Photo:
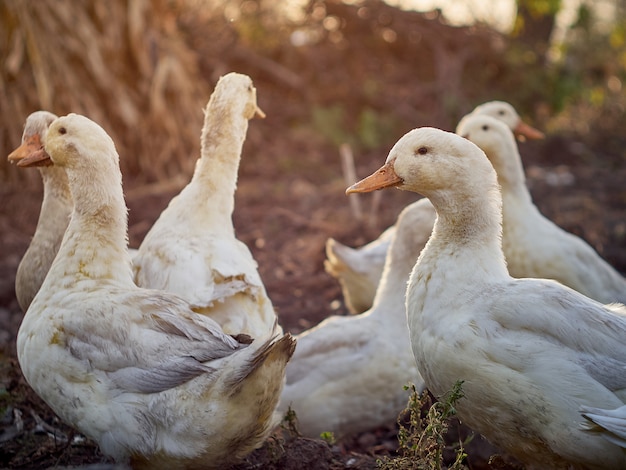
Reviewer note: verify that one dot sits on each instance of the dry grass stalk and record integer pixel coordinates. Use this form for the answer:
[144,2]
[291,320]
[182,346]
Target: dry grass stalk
[349,175]
[122,63]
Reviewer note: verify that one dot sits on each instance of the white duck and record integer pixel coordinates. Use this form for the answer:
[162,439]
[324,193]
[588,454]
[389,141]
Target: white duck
[533,245]
[347,374]
[530,352]
[136,370]
[191,250]
[358,270]
[506,113]
[54,215]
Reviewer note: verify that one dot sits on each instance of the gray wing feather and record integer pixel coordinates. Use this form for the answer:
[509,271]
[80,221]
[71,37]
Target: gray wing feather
[164,376]
[612,423]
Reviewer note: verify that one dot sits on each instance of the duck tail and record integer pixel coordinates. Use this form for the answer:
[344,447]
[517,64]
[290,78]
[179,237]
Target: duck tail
[611,424]
[338,257]
[273,353]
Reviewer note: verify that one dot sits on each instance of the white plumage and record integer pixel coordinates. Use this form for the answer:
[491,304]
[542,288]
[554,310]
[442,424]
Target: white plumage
[610,424]
[358,270]
[347,374]
[192,250]
[533,245]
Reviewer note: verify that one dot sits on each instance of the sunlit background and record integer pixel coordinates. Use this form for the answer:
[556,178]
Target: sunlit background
[548,57]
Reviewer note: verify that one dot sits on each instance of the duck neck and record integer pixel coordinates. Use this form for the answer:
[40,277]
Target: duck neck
[463,253]
[95,244]
[516,203]
[516,198]
[222,140]
[470,233]
[56,206]
[404,250]
[511,177]
[390,294]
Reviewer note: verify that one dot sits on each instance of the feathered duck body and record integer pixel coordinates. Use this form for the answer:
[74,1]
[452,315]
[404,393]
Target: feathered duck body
[192,250]
[151,381]
[530,352]
[347,374]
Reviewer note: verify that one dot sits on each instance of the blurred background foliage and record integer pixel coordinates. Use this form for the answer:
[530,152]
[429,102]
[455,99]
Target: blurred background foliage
[327,72]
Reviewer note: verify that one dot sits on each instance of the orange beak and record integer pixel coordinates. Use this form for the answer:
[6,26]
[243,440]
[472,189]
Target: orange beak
[258,112]
[31,145]
[37,158]
[384,177]
[523,129]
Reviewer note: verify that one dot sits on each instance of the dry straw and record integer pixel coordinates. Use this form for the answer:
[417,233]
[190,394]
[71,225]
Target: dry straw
[122,63]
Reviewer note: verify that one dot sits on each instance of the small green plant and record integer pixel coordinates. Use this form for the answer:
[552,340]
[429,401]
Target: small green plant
[290,422]
[5,399]
[422,439]
[330,122]
[363,129]
[329,437]
[375,129]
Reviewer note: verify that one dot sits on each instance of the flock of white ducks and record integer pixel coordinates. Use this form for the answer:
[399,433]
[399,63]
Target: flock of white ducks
[359,270]
[533,245]
[532,354]
[153,382]
[187,369]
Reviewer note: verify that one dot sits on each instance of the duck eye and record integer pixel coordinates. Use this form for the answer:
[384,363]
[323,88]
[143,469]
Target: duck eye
[485,127]
[422,150]
[62,130]
[501,112]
